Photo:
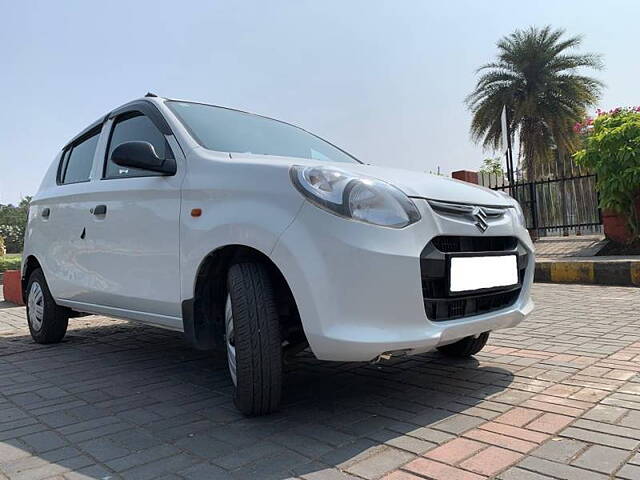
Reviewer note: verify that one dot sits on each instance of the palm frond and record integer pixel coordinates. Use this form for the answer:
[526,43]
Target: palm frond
[537,76]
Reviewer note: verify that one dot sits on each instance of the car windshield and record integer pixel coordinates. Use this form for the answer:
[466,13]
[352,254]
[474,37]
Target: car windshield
[227,130]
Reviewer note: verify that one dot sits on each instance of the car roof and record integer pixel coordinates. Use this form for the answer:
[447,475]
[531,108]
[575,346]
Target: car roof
[153,99]
[103,118]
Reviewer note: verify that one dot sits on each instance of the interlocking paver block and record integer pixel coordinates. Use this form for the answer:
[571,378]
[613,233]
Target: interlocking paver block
[631,420]
[552,407]
[335,474]
[155,469]
[549,423]
[454,451]
[103,450]
[601,459]
[518,416]
[560,394]
[515,432]
[205,470]
[429,435]
[44,441]
[520,474]
[605,413]
[499,440]
[559,470]
[440,471]
[606,428]
[629,472]
[141,457]
[491,461]
[561,450]
[11,452]
[410,444]
[397,475]
[600,438]
[459,424]
[379,463]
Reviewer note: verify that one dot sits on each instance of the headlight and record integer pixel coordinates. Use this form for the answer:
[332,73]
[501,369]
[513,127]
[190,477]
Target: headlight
[355,197]
[519,213]
[521,218]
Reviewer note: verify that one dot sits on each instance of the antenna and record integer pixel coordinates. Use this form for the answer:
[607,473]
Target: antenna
[151,94]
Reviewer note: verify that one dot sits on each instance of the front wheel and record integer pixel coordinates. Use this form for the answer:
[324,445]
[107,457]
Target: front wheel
[466,347]
[47,320]
[253,340]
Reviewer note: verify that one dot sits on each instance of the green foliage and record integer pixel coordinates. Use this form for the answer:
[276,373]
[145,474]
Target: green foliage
[13,221]
[10,262]
[537,77]
[612,152]
[13,237]
[492,166]
[3,250]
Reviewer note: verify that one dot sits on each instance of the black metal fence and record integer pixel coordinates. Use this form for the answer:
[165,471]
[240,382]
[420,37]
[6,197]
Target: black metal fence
[558,206]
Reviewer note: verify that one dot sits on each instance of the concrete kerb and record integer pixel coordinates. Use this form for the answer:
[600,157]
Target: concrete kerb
[620,271]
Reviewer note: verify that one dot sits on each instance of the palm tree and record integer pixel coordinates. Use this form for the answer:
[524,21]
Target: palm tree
[538,79]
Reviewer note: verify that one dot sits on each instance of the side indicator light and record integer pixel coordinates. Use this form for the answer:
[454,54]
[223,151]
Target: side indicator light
[196,212]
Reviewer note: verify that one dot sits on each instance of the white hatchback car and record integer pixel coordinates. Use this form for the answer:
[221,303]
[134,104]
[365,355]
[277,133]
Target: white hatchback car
[249,233]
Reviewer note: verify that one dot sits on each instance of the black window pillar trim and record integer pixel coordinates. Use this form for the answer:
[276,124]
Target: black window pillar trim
[146,108]
[87,132]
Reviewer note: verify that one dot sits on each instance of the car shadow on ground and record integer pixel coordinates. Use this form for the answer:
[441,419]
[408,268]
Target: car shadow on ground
[121,399]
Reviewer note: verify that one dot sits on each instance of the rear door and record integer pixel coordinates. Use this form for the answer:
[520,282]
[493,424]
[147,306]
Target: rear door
[132,226]
[62,215]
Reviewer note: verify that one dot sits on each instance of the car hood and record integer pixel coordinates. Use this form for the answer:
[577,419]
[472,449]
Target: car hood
[435,187]
[413,183]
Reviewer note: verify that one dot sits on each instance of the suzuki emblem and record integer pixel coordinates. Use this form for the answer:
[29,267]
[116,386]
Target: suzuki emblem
[480,216]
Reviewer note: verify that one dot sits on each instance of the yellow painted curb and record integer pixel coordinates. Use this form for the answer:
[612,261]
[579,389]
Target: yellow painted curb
[573,272]
[635,273]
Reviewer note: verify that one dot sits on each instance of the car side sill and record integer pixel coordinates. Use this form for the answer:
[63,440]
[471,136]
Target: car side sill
[162,321]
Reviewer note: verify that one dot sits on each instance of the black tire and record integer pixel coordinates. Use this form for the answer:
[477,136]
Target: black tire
[54,317]
[257,339]
[466,347]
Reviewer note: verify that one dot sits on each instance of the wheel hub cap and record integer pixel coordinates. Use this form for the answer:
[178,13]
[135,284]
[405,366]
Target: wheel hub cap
[35,303]
[230,339]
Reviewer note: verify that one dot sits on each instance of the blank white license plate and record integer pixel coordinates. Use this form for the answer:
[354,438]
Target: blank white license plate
[475,273]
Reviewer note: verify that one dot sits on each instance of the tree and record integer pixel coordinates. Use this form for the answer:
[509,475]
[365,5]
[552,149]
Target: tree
[612,151]
[13,221]
[492,166]
[538,78]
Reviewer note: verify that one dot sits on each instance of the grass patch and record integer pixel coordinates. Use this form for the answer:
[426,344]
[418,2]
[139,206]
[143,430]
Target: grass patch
[11,261]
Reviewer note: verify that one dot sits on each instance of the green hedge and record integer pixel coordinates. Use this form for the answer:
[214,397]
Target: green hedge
[612,152]
[10,262]
[13,220]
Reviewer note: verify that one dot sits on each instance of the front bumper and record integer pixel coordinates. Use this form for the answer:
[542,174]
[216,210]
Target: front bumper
[358,287]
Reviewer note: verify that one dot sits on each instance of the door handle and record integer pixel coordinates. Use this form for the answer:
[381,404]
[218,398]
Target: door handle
[45,213]
[99,210]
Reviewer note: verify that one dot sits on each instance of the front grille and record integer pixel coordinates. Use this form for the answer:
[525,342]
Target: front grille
[439,304]
[449,244]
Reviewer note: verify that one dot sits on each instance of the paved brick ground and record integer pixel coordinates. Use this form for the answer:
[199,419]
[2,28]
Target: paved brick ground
[558,397]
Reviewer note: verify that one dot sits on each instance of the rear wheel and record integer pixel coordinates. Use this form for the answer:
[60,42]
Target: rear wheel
[47,320]
[253,339]
[466,347]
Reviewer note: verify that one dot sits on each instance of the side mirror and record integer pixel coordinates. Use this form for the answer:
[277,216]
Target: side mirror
[142,155]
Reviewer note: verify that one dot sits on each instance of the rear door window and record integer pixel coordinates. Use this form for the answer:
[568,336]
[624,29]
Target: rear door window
[78,160]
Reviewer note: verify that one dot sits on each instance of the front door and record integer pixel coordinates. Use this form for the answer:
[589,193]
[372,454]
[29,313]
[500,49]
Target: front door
[131,242]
